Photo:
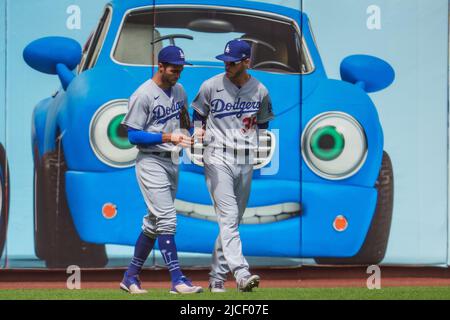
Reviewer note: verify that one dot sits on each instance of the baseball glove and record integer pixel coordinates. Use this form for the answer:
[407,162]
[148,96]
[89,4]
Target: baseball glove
[185,121]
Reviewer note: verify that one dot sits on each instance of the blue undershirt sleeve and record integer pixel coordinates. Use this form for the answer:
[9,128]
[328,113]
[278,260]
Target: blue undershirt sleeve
[141,137]
[264,125]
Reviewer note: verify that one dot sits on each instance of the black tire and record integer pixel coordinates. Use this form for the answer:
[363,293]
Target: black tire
[41,234]
[57,241]
[4,177]
[375,244]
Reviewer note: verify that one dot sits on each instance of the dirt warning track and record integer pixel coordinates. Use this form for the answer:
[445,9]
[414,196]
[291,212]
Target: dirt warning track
[303,277]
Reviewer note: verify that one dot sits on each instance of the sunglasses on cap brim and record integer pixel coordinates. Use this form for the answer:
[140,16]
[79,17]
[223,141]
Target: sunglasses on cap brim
[233,63]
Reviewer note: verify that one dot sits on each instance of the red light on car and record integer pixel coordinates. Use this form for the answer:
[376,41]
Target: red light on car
[340,223]
[109,211]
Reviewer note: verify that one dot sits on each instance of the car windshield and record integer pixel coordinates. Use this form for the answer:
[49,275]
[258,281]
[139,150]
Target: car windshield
[276,43]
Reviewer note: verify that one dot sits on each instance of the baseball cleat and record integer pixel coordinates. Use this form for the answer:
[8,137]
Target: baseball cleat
[185,286]
[131,284]
[217,286]
[246,284]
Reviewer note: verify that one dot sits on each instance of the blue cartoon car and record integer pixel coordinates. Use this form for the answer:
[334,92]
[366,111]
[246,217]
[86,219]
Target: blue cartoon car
[322,188]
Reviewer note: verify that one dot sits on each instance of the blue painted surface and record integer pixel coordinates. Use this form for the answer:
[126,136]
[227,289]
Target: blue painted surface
[46,53]
[290,238]
[372,73]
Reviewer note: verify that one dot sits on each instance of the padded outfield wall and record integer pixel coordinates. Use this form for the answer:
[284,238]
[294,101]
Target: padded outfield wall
[412,36]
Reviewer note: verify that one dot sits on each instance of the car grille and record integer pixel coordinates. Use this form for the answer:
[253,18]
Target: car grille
[264,154]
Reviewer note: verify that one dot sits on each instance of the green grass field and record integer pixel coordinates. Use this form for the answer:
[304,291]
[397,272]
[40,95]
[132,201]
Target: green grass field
[401,293]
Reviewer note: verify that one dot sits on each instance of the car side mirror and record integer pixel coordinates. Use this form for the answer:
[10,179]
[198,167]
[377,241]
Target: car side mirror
[372,74]
[54,55]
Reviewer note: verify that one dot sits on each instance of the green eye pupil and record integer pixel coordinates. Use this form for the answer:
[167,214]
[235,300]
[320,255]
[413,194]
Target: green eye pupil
[117,133]
[327,143]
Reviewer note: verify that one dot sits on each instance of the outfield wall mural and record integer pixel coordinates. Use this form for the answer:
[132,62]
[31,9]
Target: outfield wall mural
[352,170]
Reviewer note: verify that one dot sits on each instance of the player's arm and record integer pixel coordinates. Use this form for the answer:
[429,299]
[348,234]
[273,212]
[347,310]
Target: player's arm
[197,117]
[199,128]
[140,137]
[201,106]
[265,113]
[202,100]
[135,119]
[138,112]
[185,121]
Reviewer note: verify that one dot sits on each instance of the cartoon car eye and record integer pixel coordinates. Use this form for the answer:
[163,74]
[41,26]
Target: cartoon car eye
[109,139]
[334,145]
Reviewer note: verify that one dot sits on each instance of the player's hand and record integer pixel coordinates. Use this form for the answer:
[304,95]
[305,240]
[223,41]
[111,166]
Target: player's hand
[199,133]
[181,140]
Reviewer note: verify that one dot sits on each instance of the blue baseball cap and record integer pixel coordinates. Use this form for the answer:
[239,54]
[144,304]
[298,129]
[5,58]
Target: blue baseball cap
[173,55]
[236,50]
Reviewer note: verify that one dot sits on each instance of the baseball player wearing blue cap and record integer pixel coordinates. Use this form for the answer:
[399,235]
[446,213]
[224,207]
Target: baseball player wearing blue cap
[153,122]
[232,107]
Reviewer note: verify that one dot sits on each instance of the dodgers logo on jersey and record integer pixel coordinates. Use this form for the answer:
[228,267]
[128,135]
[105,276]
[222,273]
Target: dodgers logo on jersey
[220,109]
[162,114]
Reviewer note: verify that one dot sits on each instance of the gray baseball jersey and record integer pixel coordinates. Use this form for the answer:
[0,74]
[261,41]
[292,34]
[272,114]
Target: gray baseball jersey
[233,113]
[151,110]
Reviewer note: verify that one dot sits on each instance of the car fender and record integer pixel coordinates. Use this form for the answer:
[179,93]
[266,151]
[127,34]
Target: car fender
[339,96]
[85,95]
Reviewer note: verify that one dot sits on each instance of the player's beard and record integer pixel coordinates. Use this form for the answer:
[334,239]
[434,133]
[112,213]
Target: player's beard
[169,80]
[234,75]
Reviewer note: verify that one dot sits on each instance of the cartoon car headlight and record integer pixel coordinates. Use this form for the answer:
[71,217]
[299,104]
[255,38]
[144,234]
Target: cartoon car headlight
[109,139]
[334,145]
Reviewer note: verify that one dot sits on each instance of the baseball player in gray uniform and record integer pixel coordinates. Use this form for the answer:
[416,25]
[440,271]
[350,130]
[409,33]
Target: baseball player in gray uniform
[232,107]
[153,122]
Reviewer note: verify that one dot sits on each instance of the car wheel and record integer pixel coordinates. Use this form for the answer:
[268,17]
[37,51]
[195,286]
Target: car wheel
[57,241]
[41,234]
[4,198]
[375,244]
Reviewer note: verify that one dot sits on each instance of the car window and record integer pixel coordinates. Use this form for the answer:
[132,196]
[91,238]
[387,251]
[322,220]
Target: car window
[276,43]
[95,42]
[84,53]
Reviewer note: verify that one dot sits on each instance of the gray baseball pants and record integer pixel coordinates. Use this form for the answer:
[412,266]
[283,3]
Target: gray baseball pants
[158,180]
[229,186]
